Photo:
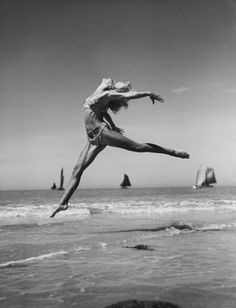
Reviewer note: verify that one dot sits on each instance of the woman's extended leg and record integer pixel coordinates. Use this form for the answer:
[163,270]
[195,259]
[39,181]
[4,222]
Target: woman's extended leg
[115,139]
[86,158]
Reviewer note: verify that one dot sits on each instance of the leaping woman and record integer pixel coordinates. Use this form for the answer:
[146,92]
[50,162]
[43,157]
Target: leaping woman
[102,132]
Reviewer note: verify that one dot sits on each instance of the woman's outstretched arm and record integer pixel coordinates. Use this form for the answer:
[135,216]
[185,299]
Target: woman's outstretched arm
[134,95]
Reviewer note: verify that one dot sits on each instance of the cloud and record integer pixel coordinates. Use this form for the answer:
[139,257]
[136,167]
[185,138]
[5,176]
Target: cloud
[230,90]
[181,90]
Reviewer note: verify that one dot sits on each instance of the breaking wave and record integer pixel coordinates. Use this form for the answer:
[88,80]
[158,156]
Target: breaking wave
[26,261]
[22,262]
[162,207]
[179,227]
[40,214]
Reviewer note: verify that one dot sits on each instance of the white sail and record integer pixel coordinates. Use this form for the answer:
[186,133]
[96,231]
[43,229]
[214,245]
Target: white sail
[61,180]
[201,177]
[205,177]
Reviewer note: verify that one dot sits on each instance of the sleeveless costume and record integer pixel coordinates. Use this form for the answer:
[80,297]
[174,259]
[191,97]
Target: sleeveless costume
[94,124]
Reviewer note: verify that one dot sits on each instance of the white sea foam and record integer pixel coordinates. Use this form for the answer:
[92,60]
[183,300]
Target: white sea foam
[32,259]
[80,248]
[21,213]
[162,207]
[20,210]
[40,214]
[217,226]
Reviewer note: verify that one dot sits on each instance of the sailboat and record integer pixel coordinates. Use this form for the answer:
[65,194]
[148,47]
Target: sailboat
[126,182]
[61,181]
[205,177]
[54,186]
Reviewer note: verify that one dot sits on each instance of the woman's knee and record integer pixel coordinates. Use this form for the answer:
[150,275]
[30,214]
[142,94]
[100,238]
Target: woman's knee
[77,171]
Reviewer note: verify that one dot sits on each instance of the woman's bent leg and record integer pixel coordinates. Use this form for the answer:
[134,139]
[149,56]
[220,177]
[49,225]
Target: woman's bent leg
[115,139]
[87,156]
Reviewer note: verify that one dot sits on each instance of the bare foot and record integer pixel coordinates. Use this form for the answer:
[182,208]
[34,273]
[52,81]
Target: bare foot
[62,207]
[180,154]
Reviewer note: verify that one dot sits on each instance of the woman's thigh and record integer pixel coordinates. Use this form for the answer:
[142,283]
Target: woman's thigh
[115,139]
[88,154]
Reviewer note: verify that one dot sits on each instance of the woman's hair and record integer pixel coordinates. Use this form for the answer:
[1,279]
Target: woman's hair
[121,86]
[106,84]
[118,86]
[115,105]
[110,84]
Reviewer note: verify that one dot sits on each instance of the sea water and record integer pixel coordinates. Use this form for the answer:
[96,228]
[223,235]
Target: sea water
[80,257]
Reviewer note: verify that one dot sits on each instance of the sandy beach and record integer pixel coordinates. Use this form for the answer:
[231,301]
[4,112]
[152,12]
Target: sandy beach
[78,259]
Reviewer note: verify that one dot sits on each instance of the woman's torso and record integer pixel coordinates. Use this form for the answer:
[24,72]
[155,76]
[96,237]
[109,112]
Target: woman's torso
[95,107]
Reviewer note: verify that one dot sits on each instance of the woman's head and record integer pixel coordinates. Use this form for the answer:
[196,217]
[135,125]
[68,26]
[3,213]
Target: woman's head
[106,84]
[121,86]
[110,84]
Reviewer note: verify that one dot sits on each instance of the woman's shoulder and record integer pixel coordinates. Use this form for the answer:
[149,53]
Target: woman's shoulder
[97,101]
[100,98]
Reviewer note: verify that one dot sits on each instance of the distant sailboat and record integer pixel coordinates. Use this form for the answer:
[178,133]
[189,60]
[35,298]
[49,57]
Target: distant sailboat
[61,180]
[205,177]
[126,182]
[54,186]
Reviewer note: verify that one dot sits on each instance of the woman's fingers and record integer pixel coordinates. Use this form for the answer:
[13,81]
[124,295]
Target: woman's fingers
[158,98]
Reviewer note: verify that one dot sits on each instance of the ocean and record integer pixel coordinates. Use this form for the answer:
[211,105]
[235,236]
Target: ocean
[83,256]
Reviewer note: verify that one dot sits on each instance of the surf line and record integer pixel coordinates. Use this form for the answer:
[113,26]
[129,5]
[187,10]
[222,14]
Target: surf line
[41,257]
[175,225]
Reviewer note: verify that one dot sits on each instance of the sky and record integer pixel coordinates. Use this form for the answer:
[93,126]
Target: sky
[54,53]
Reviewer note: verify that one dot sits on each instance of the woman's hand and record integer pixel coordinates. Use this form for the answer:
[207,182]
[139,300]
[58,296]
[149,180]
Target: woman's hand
[118,130]
[155,97]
